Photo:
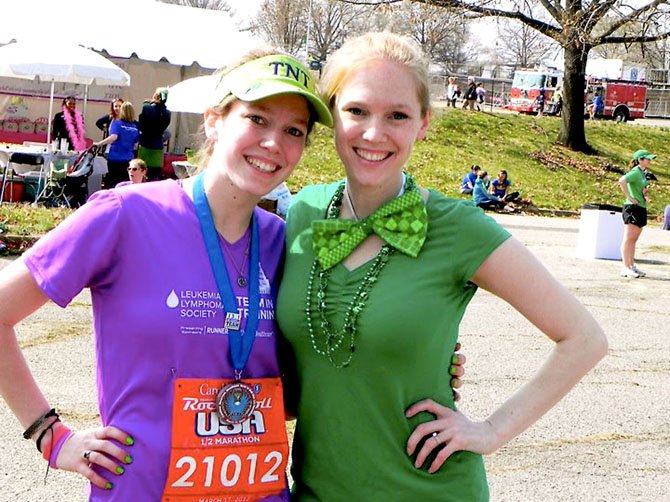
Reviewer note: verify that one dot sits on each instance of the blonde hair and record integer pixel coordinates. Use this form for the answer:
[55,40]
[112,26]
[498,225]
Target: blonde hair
[127,112]
[204,152]
[374,46]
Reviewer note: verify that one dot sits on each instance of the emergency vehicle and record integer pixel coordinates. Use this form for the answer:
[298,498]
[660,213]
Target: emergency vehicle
[624,99]
[526,87]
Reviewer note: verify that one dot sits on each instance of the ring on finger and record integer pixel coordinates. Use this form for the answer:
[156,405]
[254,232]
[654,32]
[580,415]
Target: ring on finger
[87,455]
[437,442]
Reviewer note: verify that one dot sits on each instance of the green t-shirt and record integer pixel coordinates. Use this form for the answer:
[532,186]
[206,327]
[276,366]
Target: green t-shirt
[351,435]
[637,183]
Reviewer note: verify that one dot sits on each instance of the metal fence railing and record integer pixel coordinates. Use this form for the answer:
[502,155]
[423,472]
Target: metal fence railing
[498,89]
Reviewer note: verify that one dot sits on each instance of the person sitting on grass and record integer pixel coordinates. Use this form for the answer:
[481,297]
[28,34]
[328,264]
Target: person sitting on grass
[481,195]
[500,187]
[468,183]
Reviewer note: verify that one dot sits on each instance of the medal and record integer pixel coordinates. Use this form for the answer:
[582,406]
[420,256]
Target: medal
[235,402]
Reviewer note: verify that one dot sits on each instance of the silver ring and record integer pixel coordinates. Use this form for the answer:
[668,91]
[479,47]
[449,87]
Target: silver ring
[87,454]
[435,438]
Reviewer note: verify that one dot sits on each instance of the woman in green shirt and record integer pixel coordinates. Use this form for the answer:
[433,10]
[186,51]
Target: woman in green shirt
[378,274]
[634,186]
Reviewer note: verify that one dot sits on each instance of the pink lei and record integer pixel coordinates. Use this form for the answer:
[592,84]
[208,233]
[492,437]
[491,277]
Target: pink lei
[75,129]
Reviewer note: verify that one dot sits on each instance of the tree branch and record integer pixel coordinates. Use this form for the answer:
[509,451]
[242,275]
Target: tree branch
[544,28]
[629,40]
[632,16]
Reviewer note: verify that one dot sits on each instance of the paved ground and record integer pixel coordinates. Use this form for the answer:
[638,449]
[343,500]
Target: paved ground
[608,441]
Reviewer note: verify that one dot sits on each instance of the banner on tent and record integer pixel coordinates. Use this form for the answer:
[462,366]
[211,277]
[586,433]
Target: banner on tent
[24,104]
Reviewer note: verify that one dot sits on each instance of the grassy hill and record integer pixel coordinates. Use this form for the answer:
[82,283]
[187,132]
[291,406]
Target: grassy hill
[552,176]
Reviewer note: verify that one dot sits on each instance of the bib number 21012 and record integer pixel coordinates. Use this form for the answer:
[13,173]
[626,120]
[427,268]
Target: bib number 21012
[229,470]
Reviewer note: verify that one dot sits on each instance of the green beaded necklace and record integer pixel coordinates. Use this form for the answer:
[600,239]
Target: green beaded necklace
[331,341]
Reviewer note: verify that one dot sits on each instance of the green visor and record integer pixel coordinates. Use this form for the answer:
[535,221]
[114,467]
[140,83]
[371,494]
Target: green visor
[271,76]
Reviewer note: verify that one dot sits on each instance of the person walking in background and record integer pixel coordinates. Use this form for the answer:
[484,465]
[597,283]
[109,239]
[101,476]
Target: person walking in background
[154,120]
[596,107]
[123,136]
[178,273]
[557,101]
[634,186]
[470,95]
[540,102]
[481,96]
[453,92]
[666,218]
[378,274]
[68,124]
[103,122]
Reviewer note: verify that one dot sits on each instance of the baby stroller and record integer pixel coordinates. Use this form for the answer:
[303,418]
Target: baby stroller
[69,186]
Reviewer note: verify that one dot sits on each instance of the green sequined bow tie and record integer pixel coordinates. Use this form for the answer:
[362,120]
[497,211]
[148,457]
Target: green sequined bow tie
[401,222]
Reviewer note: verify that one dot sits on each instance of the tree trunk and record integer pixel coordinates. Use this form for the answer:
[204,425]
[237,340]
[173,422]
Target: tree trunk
[571,133]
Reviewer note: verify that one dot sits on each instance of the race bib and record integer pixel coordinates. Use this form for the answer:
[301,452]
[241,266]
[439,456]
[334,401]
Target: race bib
[213,460]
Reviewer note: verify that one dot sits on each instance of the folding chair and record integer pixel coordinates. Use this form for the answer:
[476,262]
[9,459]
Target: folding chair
[53,194]
[18,163]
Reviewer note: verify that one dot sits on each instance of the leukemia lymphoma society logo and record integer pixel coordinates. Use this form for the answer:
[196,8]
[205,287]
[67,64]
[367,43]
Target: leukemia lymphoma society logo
[196,303]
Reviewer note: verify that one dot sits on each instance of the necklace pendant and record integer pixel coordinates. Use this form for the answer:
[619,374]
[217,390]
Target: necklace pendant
[235,402]
[241,282]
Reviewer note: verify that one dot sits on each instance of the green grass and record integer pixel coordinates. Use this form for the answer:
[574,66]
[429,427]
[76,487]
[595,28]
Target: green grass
[552,176]
[23,219]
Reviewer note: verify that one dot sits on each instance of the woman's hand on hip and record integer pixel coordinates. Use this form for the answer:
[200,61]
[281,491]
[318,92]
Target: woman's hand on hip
[451,431]
[86,449]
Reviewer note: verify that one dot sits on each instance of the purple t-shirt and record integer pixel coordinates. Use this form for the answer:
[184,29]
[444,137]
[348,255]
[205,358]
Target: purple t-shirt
[156,311]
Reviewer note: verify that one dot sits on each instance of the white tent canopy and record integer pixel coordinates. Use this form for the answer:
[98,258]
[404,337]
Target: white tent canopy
[63,63]
[193,95]
[153,31]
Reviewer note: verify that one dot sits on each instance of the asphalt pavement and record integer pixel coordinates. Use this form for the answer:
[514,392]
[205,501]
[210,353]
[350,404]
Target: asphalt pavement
[608,440]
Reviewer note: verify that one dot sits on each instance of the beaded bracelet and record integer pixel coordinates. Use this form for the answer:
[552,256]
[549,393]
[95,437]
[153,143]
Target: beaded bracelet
[27,434]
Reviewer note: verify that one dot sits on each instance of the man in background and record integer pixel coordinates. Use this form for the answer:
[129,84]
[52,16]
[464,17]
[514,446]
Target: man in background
[154,120]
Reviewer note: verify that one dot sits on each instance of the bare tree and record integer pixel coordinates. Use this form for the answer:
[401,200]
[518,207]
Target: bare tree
[520,44]
[202,4]
[443,35]
[283,23]
[332,21]
[577,26]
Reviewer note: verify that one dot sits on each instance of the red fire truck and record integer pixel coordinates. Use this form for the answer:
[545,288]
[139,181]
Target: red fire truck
[624,99]
[526,86]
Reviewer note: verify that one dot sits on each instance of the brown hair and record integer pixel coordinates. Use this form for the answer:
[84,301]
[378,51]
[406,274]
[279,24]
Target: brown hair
[112,113]
[206,148]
